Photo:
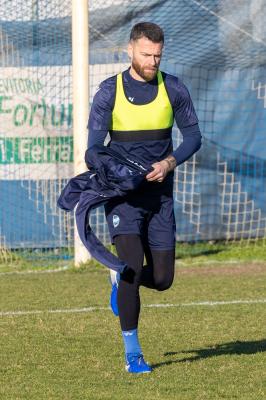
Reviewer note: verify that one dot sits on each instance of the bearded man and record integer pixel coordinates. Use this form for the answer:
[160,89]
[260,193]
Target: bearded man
[138,108]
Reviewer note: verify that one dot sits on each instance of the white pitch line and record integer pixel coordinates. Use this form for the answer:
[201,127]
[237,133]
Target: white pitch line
[207,303]
[56,311]
[97,308]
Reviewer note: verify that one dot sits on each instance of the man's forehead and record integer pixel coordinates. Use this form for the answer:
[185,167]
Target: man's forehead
[144,44]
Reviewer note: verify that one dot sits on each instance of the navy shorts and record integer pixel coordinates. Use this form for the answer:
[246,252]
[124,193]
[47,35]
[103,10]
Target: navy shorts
[151,217]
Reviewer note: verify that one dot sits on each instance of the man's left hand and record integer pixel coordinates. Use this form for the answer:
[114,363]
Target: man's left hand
[161,169]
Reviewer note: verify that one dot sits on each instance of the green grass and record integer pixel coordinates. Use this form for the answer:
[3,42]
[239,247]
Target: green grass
[198,352]
[187,254]
[211,252]
[13,261]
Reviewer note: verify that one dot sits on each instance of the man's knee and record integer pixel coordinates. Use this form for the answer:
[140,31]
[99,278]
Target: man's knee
[163,268]
[163,282]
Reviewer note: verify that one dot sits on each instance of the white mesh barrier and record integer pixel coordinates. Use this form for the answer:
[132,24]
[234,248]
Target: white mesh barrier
[217,48]
[36,151]
[240,217]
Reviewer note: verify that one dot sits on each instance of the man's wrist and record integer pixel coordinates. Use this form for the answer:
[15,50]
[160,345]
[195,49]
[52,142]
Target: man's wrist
[171,162]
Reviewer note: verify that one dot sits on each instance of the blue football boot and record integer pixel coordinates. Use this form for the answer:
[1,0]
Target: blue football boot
[114,279]
[136,364]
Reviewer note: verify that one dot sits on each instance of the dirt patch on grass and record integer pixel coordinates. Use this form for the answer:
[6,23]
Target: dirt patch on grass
[223,269]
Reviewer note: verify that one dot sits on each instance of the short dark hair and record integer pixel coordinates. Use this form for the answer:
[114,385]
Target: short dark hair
[149,30]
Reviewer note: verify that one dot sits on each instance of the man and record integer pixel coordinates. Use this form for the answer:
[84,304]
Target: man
[138,108]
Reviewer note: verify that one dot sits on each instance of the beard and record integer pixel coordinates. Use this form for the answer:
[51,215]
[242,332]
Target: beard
[146,74]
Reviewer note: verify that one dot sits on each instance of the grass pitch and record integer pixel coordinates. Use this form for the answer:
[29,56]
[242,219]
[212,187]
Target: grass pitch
[198,351]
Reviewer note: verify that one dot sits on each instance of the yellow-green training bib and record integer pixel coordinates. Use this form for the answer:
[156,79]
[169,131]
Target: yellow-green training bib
[154,116]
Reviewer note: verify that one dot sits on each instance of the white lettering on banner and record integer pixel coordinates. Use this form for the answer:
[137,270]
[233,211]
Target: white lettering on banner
[24,150]
[16,86]
[36,153]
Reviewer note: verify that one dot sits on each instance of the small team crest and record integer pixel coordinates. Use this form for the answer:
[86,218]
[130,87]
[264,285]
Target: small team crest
[116,220]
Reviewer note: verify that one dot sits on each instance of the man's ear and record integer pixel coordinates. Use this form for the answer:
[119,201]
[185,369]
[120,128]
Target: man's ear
[130,50]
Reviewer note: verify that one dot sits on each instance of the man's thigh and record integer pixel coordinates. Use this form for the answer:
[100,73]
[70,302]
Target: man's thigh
[151,217]
[161,228]
[124,216]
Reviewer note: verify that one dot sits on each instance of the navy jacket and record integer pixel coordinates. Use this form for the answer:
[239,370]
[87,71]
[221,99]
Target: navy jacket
[110,175]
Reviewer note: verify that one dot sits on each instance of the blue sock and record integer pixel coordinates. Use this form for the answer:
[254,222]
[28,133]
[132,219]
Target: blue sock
[131,342]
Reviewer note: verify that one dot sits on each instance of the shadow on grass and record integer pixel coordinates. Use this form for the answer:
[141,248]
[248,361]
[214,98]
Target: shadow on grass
[231,348]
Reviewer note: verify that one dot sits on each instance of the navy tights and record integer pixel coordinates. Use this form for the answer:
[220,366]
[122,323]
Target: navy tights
[157,274]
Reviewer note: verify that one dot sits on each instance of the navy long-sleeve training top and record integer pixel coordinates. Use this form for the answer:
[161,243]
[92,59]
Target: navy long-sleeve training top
[140,93]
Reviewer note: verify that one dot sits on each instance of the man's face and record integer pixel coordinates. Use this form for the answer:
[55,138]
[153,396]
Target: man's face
[145,57]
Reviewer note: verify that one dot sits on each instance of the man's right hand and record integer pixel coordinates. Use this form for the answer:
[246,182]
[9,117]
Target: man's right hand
[161,169]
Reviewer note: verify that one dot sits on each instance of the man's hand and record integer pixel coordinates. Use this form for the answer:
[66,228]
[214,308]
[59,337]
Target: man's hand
[161,169]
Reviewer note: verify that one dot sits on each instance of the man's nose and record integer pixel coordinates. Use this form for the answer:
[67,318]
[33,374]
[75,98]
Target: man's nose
[153,61]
